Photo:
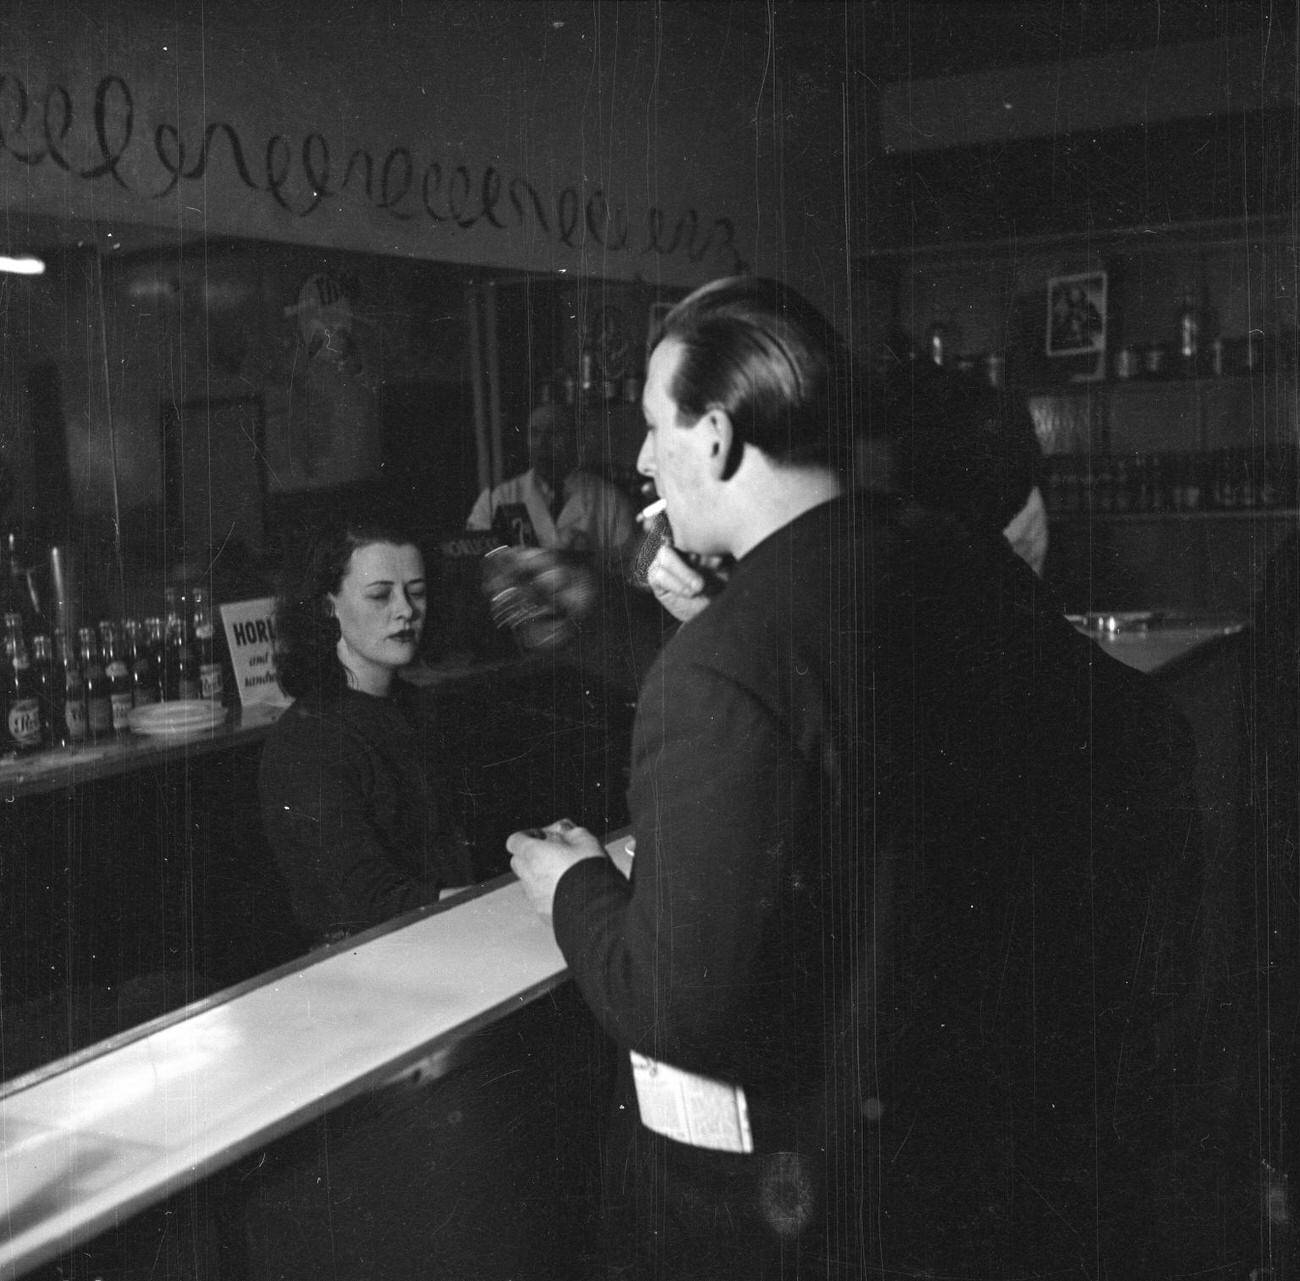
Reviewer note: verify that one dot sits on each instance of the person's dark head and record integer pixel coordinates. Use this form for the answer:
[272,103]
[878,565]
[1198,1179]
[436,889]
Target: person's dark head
[552,442]
[958,445]
[757,350]
[351,607]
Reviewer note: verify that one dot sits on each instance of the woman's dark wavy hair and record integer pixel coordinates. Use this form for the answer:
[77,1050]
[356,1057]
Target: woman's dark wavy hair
[306,631]
[959,445]
[759,351]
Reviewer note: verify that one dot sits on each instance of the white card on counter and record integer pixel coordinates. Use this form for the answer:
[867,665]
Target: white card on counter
[250,633]
[691,1109]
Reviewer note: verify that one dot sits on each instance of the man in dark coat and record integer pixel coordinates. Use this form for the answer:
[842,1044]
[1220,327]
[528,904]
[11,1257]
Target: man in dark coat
[894,974]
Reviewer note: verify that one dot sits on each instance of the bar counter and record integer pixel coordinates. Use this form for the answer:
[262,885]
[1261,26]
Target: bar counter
[1147,640]
[47,771]
[90,1140]
[135,877]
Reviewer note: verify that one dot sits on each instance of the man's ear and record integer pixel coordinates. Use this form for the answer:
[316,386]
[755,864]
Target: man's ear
[721,443]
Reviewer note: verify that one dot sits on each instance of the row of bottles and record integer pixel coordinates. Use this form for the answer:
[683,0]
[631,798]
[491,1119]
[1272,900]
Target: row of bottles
[1217,480]
[1249,354]
[1192,347]
[66,690]
[587,385]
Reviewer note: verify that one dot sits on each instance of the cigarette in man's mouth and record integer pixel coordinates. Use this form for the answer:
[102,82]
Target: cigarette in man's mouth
[647,514]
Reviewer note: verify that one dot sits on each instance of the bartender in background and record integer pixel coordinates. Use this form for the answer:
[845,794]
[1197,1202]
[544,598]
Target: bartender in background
[566,530]
[556,504]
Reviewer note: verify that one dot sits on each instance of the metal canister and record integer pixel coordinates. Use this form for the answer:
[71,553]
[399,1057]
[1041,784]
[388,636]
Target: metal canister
[1126,363]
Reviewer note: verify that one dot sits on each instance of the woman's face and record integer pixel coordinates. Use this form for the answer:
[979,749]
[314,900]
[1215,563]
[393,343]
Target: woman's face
[380,606]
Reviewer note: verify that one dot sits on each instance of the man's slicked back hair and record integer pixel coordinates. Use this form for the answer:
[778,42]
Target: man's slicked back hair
[757,350]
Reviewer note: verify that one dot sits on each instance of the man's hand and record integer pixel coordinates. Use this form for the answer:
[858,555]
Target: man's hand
[540,856]
[681,590]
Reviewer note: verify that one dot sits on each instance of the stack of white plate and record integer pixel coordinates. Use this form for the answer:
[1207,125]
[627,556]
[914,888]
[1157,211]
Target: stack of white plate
[172,720]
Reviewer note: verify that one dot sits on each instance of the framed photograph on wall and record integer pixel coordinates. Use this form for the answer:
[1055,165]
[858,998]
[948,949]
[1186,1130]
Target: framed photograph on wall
[1076,322]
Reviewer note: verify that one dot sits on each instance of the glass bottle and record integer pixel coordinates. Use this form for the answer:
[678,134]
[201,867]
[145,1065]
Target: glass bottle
[73,727]
[587,369]
[99,704]
[936,343]
[21,698]
[152,643]
[1189,335]
[119,678]
[169,678]
[21,595]
[205,642]
[139,657]
[51,704]
[180,666]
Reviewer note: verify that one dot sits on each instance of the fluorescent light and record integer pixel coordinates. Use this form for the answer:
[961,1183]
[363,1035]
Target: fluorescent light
[24,266]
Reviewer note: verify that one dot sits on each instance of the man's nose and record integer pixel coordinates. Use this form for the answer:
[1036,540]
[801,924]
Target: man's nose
[645,460]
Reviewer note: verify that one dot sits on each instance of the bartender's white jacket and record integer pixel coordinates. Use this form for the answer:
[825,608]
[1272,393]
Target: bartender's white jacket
[595,518]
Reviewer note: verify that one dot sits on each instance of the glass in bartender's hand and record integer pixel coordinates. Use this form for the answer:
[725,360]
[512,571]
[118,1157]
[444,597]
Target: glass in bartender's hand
[536,593]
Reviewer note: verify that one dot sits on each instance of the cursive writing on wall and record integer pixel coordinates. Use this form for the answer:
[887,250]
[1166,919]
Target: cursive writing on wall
[107,143]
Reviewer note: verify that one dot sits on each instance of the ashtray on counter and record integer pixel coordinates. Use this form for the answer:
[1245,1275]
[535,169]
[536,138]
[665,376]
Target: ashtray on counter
[1130,623]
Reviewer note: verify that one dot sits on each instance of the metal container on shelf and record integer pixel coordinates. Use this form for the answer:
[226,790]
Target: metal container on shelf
[1126,363]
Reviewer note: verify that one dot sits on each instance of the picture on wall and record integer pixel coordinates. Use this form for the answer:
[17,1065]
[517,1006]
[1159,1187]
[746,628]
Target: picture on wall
[1076,314]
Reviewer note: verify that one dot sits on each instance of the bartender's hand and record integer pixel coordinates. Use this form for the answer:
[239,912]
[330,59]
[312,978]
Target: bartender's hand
[681,590]
[540,856]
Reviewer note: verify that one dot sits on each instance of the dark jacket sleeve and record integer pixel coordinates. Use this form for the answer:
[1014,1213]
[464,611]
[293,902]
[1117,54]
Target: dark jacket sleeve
[315,782]
[683,965]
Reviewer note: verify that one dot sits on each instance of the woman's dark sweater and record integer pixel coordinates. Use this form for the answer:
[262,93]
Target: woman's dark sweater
[359,829]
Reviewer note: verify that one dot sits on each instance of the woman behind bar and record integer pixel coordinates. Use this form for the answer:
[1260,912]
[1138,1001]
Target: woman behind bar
[359,827]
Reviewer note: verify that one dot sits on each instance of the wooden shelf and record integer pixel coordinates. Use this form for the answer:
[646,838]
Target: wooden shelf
[1234,513]
[57,769]
[1142,384]
[67,768]
[1146,238]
